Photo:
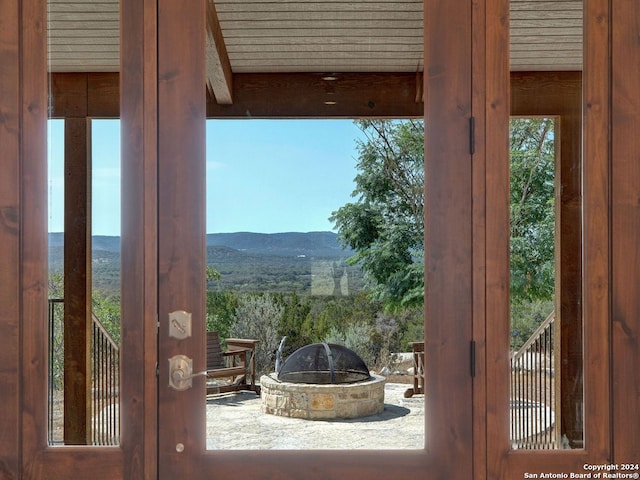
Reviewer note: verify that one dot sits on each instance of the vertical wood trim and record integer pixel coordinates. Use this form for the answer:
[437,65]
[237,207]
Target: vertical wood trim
[77,281]
[33,230]
[568,198]
[479,192]
[597,229]
[448,237]
[496,109]
[150,123]
[626,230]
[9,238]
[138,105]
[181,217]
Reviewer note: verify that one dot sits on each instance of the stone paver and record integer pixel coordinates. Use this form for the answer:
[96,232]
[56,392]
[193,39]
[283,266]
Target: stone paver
[236,422]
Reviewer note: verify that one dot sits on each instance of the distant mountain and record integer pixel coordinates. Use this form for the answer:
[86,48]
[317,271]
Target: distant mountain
[100,242]
[291,244]
[247,261]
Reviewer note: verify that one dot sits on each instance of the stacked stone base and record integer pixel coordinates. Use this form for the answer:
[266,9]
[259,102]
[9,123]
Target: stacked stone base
[322,402]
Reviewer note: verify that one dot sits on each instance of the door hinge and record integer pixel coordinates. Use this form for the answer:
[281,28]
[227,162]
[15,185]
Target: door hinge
[472,351]
[472,135]
[157,370]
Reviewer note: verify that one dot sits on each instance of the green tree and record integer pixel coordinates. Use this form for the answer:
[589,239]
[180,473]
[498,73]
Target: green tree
[532,175]
[385,224]
[295,322]
[257,317]
[221,311]
[106,308]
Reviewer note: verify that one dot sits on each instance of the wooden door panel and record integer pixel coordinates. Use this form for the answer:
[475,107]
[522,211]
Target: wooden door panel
[181,118]
[38,460]
[559,99]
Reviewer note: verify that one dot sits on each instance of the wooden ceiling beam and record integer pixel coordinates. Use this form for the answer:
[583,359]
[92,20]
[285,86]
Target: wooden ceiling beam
[281,95]
[332,95]
[77,95]
[303,95]
[219,75]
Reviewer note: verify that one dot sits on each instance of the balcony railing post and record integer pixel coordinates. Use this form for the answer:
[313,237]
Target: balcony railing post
[534,413]
[104,380]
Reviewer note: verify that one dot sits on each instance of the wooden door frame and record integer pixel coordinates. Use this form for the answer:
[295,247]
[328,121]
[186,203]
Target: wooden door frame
[449,309]
[559,95]
[611,98]
[25,453]
[502,461]
[18,29]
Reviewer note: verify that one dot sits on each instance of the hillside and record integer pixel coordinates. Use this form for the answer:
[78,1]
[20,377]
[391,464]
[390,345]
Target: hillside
[306,262]
[314,244]
[291,244]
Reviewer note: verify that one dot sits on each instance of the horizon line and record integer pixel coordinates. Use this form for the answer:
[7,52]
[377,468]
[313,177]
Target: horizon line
[223,233]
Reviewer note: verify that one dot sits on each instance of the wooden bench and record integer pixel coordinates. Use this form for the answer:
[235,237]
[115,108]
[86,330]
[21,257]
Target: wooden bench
[237,364]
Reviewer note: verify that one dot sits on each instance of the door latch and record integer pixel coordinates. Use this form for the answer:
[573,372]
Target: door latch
[181,372]
[180,324]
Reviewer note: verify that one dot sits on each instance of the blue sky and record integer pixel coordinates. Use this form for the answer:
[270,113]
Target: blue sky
[263,176]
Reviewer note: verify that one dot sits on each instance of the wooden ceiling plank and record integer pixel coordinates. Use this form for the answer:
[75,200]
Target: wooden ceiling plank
[54,7]
[85,25]
[301,48]
[67,42]
[544,31]
[81,57]
[549,15]
[544,39]
[219,74]
[325,33]
[83,67]
[311,36]
[315,16]
[85,3]
[254,6]
[88,34]
[322,24]
[319,55]
[82,47]
[548,46]
[545,6]
[547,23]
[326,42]
[346,68]
[85,16]
[312,3]
[545,56]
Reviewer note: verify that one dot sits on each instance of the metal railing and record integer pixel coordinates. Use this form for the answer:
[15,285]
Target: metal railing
[533,412]
[56,371]
[105,381]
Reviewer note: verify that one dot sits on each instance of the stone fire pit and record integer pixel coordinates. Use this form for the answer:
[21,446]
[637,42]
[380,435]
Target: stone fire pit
[322,401]
[322,381]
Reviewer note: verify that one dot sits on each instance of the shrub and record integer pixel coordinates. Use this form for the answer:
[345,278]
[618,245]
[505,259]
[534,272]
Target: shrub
[257,316]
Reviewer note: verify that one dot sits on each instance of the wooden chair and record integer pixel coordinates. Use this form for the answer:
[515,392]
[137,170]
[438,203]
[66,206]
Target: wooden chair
[237,363]
[418,370]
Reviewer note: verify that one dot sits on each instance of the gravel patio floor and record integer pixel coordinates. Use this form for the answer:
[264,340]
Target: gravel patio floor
[236,422]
